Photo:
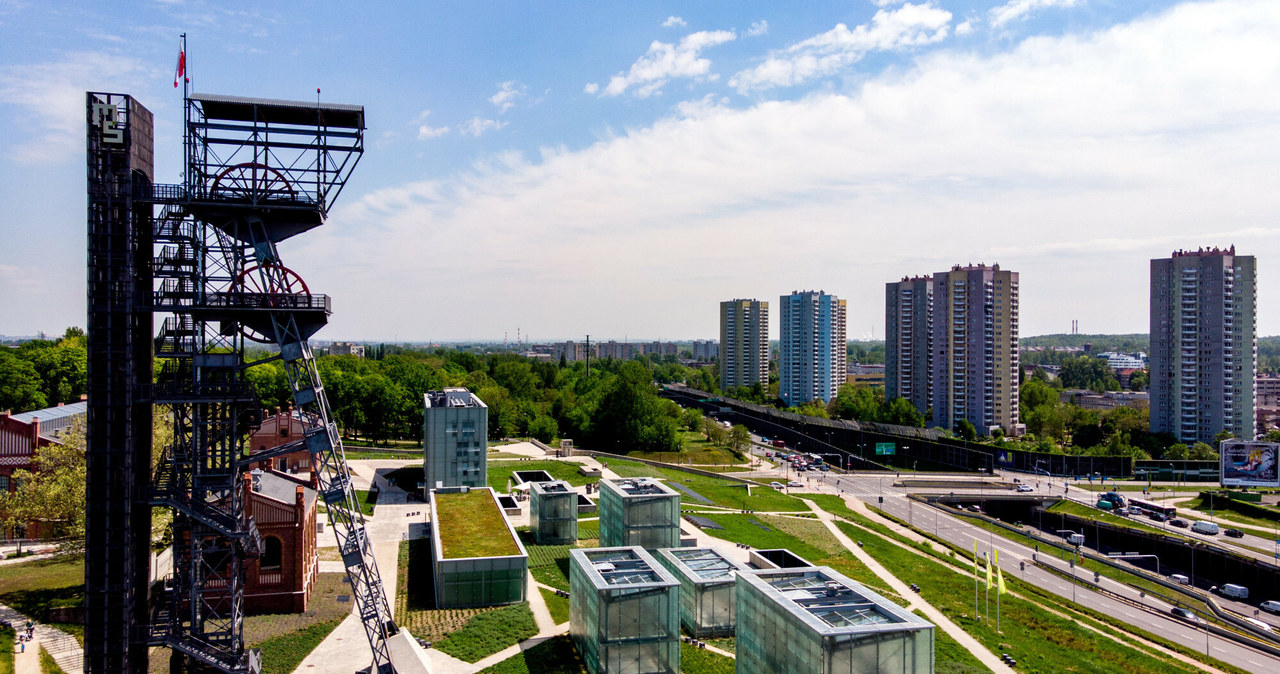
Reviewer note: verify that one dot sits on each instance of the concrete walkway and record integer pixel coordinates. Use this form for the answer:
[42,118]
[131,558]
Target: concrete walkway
[953,630]
[64,648]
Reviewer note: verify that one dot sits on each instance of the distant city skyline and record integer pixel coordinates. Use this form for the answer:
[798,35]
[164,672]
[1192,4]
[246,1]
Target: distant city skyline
[619,169]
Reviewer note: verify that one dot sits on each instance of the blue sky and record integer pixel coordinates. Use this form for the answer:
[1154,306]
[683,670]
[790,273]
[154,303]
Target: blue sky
[620,168]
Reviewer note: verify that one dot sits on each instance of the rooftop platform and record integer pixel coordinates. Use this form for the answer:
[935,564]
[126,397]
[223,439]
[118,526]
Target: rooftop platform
[471,524]
[832,604]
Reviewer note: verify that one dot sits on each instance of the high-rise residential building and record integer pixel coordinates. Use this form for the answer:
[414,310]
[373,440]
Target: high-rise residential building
[908,325]
[1203,334]
[812,350]
[709,349]
[455,436]
[744,343]
[975,349]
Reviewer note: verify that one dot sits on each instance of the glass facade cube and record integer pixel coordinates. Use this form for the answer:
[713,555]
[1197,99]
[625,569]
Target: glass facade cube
[553,513]
[707,589]
[455,437]
[624,612]
[464,579]
[639,511]
[806,621]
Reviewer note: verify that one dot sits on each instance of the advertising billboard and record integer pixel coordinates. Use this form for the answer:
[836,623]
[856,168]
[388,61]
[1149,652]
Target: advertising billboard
[1249,464]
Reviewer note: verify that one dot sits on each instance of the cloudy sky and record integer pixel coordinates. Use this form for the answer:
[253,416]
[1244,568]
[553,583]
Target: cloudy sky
[619,168]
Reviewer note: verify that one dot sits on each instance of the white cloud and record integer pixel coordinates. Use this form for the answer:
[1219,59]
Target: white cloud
[665,61]
[51,96]
[674,22]
[427,132]
[1134,138]
[477,126]
[1020,9]
[832,51]
[591,88]
[508,93]
[758,28]
[964,28]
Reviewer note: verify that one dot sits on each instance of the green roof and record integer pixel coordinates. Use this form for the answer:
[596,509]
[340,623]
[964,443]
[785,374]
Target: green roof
[472,525]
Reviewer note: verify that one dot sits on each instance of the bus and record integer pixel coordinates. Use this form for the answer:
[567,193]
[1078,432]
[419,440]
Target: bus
[1161,512]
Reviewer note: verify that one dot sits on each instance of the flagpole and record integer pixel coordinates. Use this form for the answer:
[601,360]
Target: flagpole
[999,589]
[987,613]
[975,579]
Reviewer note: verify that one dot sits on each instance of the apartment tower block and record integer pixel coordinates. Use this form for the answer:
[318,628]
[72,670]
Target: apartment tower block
[908,321]
[812,354]
[1203,344]
[975,349]
[744,343]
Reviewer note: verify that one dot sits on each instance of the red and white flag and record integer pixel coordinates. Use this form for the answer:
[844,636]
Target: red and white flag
[182,67]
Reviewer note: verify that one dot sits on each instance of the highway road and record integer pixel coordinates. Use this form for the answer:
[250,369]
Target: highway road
[1148,614]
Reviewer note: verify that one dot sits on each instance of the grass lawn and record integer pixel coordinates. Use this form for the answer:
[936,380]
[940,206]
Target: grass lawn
[697,450]
[721,492]
[809,539]
[1222,509]
[476,526]
[415,602]
[358,454]
[556,655]
[560,470]
[1035,637]
[489,632]
[366,502]
[6,649]
[950,657]
[702,661]
[47,664]
[281,654]
[557,605]
[1139,522]
[32,588]
[324,607]
[724,643]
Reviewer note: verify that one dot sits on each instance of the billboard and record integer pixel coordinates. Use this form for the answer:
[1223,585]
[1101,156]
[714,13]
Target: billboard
[1249,464]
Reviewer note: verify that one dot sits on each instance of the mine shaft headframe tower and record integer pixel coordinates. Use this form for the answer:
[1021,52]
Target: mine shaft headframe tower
[119,321]
[259,172]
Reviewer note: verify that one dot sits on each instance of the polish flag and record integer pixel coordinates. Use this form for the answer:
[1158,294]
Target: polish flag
[182,68]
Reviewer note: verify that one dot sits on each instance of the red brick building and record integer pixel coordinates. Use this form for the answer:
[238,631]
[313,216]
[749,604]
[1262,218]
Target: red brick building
[284,509]
[20,436]
[279,429]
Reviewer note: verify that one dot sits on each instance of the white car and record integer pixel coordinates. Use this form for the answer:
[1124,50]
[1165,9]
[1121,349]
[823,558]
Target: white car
[1025,488]
[776,485]
[793,483]
[1270,606]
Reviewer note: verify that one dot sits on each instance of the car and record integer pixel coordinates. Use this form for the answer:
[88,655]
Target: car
[776,485]
[1234,533]
[1025,488]
[793,483]
[1270,606]
[1186,615]
[823,468]
[975,508]
[1122,511]
[1180,523]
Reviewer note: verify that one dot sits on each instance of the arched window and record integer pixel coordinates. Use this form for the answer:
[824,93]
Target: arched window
[271,555]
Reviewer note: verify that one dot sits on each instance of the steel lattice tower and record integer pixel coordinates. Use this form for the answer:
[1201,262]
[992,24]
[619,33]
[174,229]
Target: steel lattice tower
[257,172]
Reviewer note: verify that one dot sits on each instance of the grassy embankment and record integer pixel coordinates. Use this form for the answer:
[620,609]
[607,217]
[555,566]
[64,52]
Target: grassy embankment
[724,493]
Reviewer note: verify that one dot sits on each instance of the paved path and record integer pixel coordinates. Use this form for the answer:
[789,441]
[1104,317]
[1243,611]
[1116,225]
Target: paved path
[64,648]
[943,622]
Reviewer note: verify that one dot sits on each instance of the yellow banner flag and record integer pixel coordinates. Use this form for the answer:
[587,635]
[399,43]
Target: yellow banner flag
[999,576]
[990,581]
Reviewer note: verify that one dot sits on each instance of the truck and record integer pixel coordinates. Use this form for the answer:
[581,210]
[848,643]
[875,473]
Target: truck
[1113,501]
[1234,591]
[1076,539]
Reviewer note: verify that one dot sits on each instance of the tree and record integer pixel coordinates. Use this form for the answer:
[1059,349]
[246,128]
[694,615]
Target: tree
[966,430]
[739,439]
[1088,372]
[20,384]
[900,411]
[52,492]
[693,419]
[544,428]
[1203,451]
[1177,452]
[860,403]
[1139,380]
